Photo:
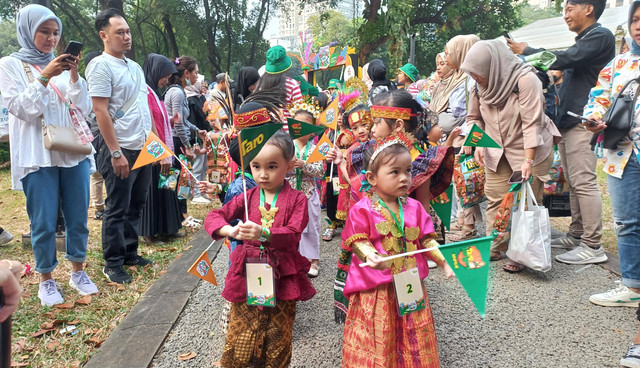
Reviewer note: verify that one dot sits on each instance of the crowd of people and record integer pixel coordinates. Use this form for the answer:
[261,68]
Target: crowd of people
[395,150]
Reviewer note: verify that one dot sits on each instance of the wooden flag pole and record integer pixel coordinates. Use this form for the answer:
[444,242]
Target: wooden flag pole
[400,255]
[244,182]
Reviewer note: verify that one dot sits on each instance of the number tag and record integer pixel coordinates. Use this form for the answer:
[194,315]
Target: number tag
[214,176]
[409,291]
[336,186]
[260,288]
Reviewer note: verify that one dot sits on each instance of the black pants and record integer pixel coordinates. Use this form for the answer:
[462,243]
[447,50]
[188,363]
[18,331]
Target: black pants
[123,207]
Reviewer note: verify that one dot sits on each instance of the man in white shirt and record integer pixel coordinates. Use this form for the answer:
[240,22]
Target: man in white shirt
[119,93]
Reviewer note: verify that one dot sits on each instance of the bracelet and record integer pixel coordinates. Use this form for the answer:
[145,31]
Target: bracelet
[9,263]
[43,79]
[266,234]
[528,160]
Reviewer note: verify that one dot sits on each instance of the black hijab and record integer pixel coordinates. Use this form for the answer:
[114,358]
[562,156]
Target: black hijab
[155,67]
[378,74]
[247,76]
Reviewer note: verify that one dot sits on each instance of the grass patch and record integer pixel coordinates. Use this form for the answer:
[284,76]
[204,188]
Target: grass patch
[609,239]
[95,320]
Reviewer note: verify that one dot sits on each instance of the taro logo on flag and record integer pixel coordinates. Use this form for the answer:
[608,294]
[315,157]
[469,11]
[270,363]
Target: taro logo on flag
[324,148]
[203,267]
[470,258]
[476,137]
[331,115]
[296,127]
[155,149]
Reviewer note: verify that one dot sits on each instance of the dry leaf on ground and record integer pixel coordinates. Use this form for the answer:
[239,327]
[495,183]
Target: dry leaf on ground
[52,345]
[42,332]
[16,364]
[187,356]
[94,341]
[64,306]
[120,287]
[162,272]
[85,300]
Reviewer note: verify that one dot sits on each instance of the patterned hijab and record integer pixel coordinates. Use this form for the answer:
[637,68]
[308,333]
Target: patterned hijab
[28,20]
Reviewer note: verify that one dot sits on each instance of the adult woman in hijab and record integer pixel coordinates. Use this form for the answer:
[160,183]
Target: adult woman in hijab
[365,76]
[378,74]
[508,105]
[47,177]
[161,213]
[197,117]
[246,82]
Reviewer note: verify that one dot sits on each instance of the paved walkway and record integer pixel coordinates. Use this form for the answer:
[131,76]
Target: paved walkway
[533,320]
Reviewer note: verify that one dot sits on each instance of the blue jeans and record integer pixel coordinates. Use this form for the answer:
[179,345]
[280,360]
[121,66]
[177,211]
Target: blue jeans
[625,200]
[47,188]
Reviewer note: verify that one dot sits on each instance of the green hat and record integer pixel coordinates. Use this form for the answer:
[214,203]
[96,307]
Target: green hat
[410,71]
[277,60]
[334,83]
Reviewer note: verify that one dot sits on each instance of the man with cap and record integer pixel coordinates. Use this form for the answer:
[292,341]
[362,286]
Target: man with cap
[334,85]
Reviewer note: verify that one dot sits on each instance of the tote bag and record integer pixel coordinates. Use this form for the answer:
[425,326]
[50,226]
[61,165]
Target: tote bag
[530,242]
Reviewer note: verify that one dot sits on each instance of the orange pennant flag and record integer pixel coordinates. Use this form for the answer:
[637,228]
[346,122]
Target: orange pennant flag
[321,150]
[202,268]
[153,150]
[329,117]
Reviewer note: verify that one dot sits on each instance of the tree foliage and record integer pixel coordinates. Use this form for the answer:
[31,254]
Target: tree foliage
[222,35]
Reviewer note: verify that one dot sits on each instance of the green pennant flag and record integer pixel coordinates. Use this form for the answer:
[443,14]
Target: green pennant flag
[478,138]
[299,129]
[442,205]
[251,140]
[469,260]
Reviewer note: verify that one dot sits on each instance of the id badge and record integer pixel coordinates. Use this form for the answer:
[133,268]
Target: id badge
[260,286]
[336,186]
[214,176]
[409,291]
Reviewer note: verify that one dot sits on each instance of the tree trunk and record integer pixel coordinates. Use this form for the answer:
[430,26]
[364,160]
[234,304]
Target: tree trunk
[211,29]
[258,30]
[166,20]
[46,3]
[227,25]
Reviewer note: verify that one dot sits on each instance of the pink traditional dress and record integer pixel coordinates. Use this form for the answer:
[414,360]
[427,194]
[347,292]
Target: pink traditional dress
[374,334]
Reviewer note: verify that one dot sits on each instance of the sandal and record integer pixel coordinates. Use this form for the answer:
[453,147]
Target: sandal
[495,256]
[190,223]
[328,234]
[313,271]
[455,227]
[465,234]
[513,267]
[193,219]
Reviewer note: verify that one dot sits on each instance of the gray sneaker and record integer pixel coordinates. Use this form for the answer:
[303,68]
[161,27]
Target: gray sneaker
[583,255]
[565,242]
[632,358]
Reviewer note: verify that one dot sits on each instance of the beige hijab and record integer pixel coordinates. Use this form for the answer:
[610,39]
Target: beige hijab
[502,69]
[457,48]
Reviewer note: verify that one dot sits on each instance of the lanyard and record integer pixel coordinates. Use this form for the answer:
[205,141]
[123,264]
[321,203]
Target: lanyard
[399,224]
[299,171]
[215,150]
[275,198]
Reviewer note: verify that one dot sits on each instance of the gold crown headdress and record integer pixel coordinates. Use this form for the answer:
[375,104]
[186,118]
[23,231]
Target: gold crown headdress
[307,103]
[403,138]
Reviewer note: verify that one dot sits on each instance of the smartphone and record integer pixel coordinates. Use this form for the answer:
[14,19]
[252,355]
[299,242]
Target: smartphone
[73,48]
[591,123]
[516,178]
[506,35]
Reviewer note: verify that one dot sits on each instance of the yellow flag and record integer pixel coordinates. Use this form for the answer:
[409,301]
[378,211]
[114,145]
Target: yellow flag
[202,268]
[329,117]
[153,150]
[321,150]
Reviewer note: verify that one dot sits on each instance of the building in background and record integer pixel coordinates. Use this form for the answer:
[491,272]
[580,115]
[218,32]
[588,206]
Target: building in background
[547,3]
[293,19]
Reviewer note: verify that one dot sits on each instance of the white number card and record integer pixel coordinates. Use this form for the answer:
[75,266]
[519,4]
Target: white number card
[260,288]
[409,291]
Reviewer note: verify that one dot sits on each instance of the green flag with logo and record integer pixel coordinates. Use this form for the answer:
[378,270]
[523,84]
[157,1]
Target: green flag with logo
[299,129]
[469,260]
[479,138]
[442,205]
[251,140]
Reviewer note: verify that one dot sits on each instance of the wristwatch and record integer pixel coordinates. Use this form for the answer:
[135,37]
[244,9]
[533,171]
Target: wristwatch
[116,154]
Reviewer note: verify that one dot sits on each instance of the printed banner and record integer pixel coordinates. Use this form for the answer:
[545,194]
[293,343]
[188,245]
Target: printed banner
[442,206]
[153,150]
[322,148]
[253,139]
[469,260]
[478,138]
[202,268]
[329,117]
[299,129]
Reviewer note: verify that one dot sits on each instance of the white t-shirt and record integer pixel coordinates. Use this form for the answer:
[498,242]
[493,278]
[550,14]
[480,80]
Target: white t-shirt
[116,78]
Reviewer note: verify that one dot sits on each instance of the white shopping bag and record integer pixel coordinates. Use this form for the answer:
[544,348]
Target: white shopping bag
[4,122]
[530,242]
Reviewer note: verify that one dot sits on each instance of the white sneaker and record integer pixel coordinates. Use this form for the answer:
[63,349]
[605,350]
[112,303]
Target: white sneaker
[632,358]
[431,264]
[82,283]
[50,293]
[621,296]
[5,237]
[583,255]
[200,200]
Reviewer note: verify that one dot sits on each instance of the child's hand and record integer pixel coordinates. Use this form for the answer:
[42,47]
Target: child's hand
[334,155]
[249,231]
[298,163]
[206,187]
[455,133]
[376,262]
[448,272]
[235,231]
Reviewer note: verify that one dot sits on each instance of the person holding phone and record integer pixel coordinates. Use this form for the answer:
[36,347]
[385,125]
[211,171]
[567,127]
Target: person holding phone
[507,103]
[48,178]
[580,64]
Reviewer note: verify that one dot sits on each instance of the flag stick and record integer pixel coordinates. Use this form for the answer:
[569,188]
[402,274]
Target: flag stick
[400,255]
[335,138]
[186,168]
[244,183]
